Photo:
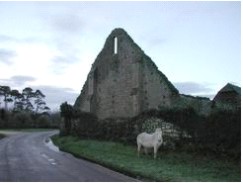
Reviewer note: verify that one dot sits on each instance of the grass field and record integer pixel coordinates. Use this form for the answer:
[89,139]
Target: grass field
[170,166]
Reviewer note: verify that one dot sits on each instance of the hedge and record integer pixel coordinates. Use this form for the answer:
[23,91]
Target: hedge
[219,132]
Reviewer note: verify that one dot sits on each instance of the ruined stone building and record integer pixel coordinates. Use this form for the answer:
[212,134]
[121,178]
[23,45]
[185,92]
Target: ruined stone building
[124,81]
[229,95]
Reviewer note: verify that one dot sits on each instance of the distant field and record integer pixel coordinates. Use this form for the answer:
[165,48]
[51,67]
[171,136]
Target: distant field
[170,166]
[4,132]
[25,130]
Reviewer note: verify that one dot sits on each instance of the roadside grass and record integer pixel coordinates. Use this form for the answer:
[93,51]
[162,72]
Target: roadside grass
[170,166]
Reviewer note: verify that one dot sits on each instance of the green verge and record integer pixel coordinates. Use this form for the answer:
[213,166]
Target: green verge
[170,166]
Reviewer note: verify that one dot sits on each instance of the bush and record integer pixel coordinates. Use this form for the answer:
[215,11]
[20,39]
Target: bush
[55,120]
[4,118]
[43,121]
[1,123]
[21,120]
[221,132]
[24,119]
[84,124]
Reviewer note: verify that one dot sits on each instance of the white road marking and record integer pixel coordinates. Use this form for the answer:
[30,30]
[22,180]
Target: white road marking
[51,160]
[44,155]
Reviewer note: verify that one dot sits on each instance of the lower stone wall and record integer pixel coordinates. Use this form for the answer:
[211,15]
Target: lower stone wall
[168,129]
[171,132]
[201,105]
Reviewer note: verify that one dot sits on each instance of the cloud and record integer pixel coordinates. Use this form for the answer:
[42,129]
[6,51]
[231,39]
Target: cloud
[21,80]
[6,56]
[4,38]
[193,88]
[55,96]
[17,81]
[65,30]
[70,23]
[61,63]
[11,39]
[64,22]
[155,41]
[65,59]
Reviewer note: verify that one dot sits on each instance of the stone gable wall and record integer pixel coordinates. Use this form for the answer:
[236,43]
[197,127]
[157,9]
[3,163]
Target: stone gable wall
[157,92]
[123,84]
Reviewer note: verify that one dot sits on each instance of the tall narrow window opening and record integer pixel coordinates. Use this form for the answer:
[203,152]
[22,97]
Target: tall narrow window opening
[115,45]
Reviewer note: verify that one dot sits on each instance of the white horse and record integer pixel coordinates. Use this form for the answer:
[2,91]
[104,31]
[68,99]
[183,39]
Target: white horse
[153,140]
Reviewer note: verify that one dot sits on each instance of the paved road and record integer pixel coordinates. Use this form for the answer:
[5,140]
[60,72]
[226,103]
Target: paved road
[28,156]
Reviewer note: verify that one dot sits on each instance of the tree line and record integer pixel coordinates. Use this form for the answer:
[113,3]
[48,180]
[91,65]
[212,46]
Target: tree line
[28,100]
[25,109]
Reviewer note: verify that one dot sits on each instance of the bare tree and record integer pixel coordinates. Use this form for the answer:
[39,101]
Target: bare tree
[16,97]
[39,102]
[5,91]
[27,95]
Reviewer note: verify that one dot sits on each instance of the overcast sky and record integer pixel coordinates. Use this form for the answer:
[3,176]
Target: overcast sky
[51,45]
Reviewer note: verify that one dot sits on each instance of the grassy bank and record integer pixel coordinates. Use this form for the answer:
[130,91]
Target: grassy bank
[170,166]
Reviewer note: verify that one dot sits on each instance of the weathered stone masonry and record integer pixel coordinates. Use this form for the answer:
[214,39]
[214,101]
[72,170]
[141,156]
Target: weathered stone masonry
[123,81]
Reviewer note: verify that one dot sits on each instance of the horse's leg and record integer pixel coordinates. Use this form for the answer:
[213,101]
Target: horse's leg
[155,151]
[139,148]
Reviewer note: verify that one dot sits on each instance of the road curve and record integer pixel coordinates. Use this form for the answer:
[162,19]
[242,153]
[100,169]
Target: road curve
[26,156]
